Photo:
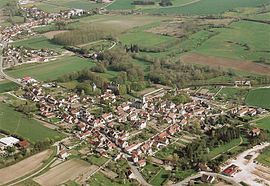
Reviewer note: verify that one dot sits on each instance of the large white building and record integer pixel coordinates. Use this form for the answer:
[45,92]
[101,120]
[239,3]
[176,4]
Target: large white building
[8,141]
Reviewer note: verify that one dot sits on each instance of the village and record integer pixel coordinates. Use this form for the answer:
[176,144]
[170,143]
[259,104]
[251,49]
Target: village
[166,133]
[117,128]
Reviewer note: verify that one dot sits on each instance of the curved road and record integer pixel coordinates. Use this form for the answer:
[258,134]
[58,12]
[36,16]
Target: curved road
[1,68]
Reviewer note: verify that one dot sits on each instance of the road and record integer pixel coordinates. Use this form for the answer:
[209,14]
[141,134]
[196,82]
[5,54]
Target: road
[254,121]
[138,175]
[1,69]
[39,171]
[186,181]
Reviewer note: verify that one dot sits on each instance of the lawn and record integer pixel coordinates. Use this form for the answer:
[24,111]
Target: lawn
[223,148]
[264,123]
[207,7]
[264,157]
[97,160]
[41,42]
[232,43]
[149,171]
[160,178]
[6,86]
[233,94]
[182,174]
[19,124]
[259,98]
[100,179]
[51,70]
[3,3]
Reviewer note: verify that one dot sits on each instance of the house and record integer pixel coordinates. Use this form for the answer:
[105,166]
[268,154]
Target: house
[135,158]
[107,117]
[254,132]
[252,112]
[203,167]
[242,112]
[81,126]
[118,156]
[207,179]
[141,163]
[23,143]
[122,117]
[171,131]
[47,114]
[63,154]
[131,175]
[183,122]
[231,170]
[125,107]
[141,124]
[133,117]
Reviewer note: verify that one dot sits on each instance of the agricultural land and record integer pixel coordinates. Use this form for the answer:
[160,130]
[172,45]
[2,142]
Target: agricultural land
[134,92]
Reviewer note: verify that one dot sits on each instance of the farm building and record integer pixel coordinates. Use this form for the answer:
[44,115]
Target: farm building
[8,141]
[231,170]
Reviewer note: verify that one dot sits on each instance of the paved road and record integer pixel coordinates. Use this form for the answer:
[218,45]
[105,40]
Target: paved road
[2,72]
[138,175]
[186,181]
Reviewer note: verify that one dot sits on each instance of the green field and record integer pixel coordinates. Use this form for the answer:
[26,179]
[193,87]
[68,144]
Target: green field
[207,7]
[41,42]
[233,94]
[121,5]
[259,98]
[119,23]
[160,178]
[19,124]
[264,123]
[80,4]
[223,148]
[229,42]
[6,86]
[3,3]
[264,157]
[51,70]
[54,6]
[145,39]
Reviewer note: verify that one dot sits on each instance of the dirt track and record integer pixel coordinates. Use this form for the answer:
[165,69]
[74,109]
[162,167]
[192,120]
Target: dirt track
[226,63]
[68,170]
[23,167]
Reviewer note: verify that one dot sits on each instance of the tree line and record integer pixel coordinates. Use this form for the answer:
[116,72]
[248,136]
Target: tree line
[81,35]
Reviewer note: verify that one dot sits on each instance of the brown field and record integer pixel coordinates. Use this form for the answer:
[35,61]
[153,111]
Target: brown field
[226,63]
[24,167]
[180,26]
[64,172]
[123,23]
[51,34]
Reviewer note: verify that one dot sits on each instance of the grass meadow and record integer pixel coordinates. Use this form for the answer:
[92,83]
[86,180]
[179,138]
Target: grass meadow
[264,123]
[264,157]
[51,70]
[259,98]
[41,42]
[145,39]
[6,86]
[206,7]
[229,42]
[19,124]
